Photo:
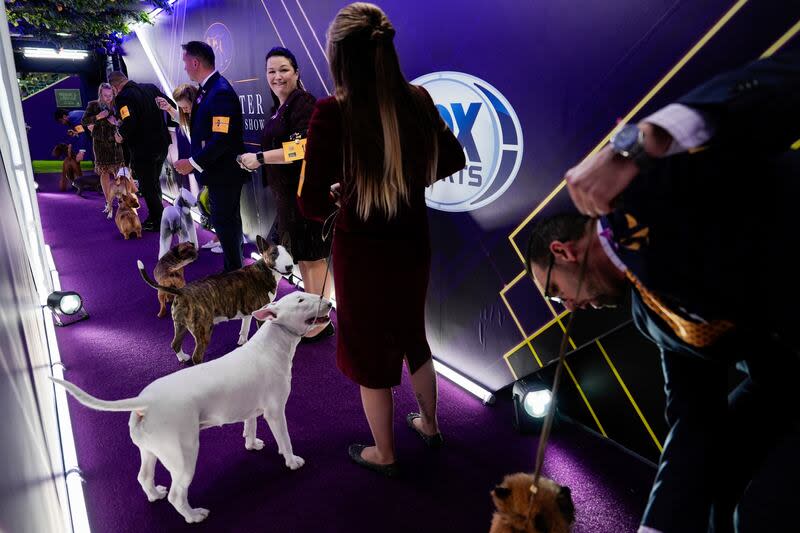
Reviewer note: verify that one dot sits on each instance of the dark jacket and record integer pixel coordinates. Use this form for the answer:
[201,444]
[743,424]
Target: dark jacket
[143,125]
[217,133]
[720,222]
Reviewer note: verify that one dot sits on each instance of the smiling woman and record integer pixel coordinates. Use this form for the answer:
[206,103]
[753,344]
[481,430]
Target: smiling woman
[289,117]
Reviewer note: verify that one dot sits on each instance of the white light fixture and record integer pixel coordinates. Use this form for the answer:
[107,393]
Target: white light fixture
[51,53]
[537,402]
[465,383]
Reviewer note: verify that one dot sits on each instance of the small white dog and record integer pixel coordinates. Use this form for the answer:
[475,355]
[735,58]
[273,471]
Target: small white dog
[177,220]
[255,379]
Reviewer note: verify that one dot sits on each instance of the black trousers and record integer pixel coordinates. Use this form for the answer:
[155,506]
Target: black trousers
[717,441]
[227,221]
[147,169]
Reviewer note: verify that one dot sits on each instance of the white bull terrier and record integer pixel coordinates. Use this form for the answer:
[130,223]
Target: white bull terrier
[177,220]
[254,379]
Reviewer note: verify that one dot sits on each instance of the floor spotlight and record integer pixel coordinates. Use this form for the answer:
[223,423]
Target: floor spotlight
[531,399]
[67,307]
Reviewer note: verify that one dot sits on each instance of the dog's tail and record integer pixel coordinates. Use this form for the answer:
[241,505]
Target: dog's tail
[129,404]
[147,279]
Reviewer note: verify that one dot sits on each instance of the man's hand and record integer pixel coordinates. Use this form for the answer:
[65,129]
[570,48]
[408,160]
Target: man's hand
[249,161]
[600,178]
[90,127]
[183,166]
[112,119]
[72,133]
[118,137]
[81,154]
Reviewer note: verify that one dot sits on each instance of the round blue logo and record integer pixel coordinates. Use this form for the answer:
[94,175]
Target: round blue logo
[488,129]
[220,40]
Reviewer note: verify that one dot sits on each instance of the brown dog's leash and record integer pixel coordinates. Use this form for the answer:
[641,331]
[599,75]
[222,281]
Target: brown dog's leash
[544,437]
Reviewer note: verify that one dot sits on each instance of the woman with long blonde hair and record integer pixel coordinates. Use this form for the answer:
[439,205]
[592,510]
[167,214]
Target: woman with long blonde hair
[372,149]
[99,119]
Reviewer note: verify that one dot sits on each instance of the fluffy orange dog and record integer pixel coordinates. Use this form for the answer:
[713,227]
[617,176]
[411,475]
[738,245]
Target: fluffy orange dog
[127,219]
[550,510]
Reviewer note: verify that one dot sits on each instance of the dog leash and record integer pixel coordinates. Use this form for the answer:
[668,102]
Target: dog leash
[544,437]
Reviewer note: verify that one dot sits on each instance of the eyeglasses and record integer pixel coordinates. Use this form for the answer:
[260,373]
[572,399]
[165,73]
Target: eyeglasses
[547,296]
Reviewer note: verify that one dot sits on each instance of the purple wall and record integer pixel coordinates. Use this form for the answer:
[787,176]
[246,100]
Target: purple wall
[45,132]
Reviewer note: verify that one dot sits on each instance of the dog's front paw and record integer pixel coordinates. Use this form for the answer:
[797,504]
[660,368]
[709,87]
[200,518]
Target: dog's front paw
[241,340]
[294,462]
[198,514]
[158,494]
[182,356]
[257,444]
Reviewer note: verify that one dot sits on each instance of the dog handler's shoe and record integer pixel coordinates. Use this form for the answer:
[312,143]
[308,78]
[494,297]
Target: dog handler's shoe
[209,245]
[431,441]
[216,249]
[354,451]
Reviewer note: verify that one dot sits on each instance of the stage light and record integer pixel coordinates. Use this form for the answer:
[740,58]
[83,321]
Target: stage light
[51,53]
[531,399]
[536,403]
[66,304]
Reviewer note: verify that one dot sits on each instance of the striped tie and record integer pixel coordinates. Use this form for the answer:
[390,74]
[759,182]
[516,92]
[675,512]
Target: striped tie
[697,334]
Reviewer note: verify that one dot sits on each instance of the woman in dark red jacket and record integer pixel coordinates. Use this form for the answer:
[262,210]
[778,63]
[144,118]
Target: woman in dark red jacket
[379,142]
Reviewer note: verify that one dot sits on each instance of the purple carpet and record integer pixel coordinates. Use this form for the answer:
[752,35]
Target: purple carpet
[123,347]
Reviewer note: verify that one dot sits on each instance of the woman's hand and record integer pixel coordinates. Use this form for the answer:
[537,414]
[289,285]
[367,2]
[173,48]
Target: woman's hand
[336,194]
[249,161]
[90,127]
[163,105]
[113,120]
[102,114]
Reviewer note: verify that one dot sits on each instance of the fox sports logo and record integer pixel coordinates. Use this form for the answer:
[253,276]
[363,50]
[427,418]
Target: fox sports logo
[488,129]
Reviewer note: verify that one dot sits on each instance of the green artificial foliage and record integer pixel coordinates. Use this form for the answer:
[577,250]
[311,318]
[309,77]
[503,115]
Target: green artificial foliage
[86,22]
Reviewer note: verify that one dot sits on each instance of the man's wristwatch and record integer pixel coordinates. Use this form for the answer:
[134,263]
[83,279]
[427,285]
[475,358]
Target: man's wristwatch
[260,157]
[628,142]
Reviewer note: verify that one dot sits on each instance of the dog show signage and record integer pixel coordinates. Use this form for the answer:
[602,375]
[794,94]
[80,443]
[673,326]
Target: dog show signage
[488,129]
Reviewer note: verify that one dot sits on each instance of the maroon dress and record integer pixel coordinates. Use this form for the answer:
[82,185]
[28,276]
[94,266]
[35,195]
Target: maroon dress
[380,267]
[301,237]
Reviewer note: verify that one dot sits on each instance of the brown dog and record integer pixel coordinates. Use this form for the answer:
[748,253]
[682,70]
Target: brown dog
[127,219]
[221,297]
[117,187]
[169,272]
[71,168]
[519,510]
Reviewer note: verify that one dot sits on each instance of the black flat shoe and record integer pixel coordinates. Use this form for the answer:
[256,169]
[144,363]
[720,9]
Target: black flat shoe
[149,225]
[354,451]
[431,441]
[322,335]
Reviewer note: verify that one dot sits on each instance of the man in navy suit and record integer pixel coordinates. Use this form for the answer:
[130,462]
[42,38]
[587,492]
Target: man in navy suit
[697,220]
[217,138]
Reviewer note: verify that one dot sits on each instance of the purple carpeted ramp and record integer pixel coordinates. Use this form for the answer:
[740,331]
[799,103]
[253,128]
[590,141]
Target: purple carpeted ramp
[123,347]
